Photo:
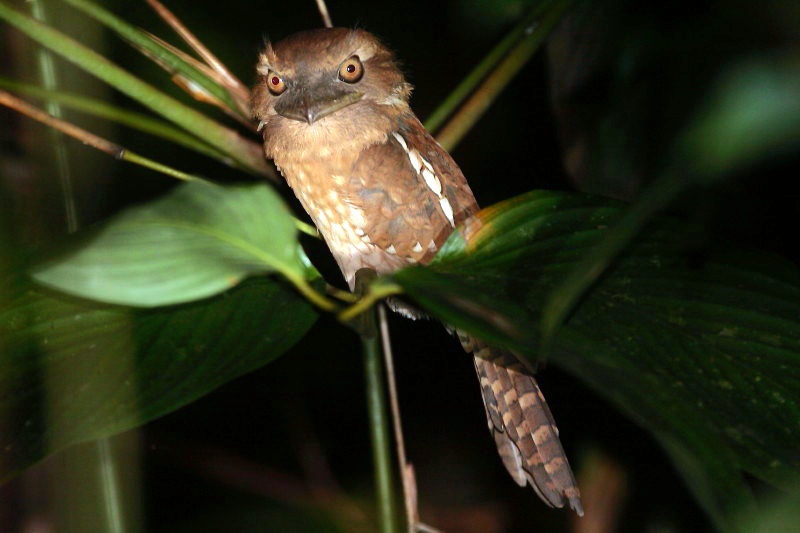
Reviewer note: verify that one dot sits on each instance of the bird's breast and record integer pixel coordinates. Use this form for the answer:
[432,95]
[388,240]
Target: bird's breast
[322,186]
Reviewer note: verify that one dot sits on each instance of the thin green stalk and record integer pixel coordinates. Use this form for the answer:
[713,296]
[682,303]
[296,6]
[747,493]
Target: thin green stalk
[379,433]
[110,489]
[487,64]
[533,35]
[49,79]
[100,450]
[377,409]
[90,139]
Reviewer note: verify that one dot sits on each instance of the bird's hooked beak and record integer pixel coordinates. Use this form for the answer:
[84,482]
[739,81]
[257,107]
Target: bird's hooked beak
[320,100]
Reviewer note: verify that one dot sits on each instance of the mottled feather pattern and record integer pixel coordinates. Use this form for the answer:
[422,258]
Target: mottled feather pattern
[383,193]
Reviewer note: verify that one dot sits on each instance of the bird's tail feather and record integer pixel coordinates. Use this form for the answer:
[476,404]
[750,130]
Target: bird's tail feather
[522,425]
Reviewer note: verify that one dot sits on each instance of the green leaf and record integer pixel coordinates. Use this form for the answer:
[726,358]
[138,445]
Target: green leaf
[73,370]
[131,119]
[701,351]
[197,241]
[141,40]
[246,153]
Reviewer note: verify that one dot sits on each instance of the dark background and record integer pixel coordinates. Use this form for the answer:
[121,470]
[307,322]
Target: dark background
[635,75]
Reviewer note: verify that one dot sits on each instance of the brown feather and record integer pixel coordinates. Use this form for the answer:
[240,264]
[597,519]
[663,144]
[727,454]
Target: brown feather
[383,193]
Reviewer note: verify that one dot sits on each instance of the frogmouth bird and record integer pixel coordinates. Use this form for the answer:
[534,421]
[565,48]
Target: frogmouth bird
[334,112]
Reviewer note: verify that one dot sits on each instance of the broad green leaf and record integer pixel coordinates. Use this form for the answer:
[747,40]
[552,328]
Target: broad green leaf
[73,370]
[246,153]
[197,241]
[703,352]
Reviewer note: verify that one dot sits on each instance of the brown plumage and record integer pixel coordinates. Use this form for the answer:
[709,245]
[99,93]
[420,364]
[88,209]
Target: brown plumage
[333,109]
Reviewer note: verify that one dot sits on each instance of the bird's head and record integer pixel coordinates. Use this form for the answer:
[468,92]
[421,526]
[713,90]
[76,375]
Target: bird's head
[328,87]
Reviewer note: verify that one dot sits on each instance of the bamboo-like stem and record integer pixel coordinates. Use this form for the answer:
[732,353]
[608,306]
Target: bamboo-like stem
[380,435]
[138,121]
[376,293]
[526,40]
[108,487]
[47,71]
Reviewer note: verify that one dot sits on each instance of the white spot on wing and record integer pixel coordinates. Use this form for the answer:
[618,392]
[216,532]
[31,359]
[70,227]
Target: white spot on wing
[416,160]
[448,210]
[391,250]
[400,140]
[417,248]
[432,182]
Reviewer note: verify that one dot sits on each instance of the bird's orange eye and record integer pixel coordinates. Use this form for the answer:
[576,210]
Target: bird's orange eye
[351,70]
[275,83]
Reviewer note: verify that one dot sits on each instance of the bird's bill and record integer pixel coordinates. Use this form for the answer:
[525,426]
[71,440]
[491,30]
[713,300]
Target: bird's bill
[310,106]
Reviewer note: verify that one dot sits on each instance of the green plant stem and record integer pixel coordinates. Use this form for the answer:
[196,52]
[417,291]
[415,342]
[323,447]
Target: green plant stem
[379,432]
[496,71]
[49,79]
[474,78]
[380,435]
[110,486]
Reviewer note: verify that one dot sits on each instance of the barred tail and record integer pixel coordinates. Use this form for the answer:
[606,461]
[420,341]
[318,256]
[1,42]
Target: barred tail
[522,426]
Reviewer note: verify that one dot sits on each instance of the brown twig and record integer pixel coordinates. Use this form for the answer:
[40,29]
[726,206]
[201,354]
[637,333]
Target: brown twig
[323,12]
[406,470]
[114,150]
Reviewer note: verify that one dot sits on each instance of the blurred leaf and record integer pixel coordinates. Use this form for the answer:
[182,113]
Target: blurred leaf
[197,241]
[246,153]
[781,514]
[72,370]
[702,352]
[752,115]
